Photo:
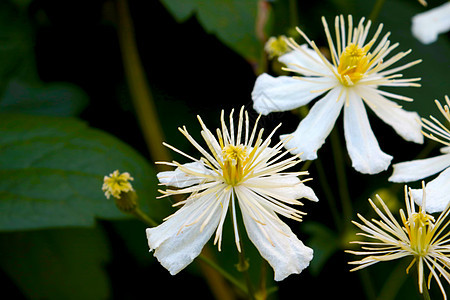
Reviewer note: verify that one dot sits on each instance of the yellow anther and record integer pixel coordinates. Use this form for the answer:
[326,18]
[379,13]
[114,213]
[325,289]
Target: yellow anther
[353,63]
[419,227]
[234,158]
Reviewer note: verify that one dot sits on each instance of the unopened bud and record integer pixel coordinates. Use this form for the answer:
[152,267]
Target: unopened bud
[276,46]
[118,186]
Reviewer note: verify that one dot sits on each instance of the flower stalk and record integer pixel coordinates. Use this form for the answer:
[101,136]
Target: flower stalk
[376,9]
[341,176]
[140,91]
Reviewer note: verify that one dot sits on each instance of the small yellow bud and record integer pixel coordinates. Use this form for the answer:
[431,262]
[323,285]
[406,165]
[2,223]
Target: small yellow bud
[118,186]
[276,46]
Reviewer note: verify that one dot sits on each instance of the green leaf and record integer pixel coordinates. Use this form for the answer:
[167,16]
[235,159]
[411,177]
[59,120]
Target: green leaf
[57,264]
[16,49]
[323,241]
[233,22]
[51,173]
[53,99]
[21,90]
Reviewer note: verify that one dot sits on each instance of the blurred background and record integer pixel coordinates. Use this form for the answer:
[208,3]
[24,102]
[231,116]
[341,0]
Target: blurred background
[68,117]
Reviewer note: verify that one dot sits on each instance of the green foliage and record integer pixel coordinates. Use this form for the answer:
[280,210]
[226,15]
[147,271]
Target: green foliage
[51,172]
[54,99]
[57,263]
[16,44]
[233,22]
[21,90]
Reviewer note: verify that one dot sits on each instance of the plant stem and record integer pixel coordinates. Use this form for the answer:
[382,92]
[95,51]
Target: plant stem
[367,284]
[328,194]
[394,282]
[427,149]
[262,292]
[224,273]
[140,92]
[243,266]
[347,209]
[138,213]
[306,165]
[426,294]
[293,13]
[376,10]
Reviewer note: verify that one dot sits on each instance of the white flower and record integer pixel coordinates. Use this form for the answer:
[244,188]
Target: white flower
[428,25]
[239,167]
[417,235]
[351,78]
[438,189]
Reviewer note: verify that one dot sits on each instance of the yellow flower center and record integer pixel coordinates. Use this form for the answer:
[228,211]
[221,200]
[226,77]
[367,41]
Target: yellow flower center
[234,158]
[419,228]
[353,63]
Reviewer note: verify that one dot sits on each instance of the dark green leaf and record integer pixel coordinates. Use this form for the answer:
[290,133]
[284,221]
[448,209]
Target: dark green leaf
[51,173]
[16,48]
[54,99]
[57,264]
[233,21]
[20,88]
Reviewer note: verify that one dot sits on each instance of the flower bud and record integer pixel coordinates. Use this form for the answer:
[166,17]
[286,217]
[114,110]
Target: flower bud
[118,186]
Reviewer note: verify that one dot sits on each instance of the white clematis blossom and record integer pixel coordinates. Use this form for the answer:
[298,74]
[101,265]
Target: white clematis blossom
[238,168]
[428,25]
[438,189]
[417,235]
[352,78]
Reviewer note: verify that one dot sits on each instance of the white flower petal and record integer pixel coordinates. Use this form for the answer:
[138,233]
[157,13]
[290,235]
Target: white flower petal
[286,186]
[312,62]
[426,26]
[445,149]
[180,179]
[437,193]
[405,123]
[419,169]
[284,251]
[175,248]
[285,93]
[316,126]
[306,192]
[362,145]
